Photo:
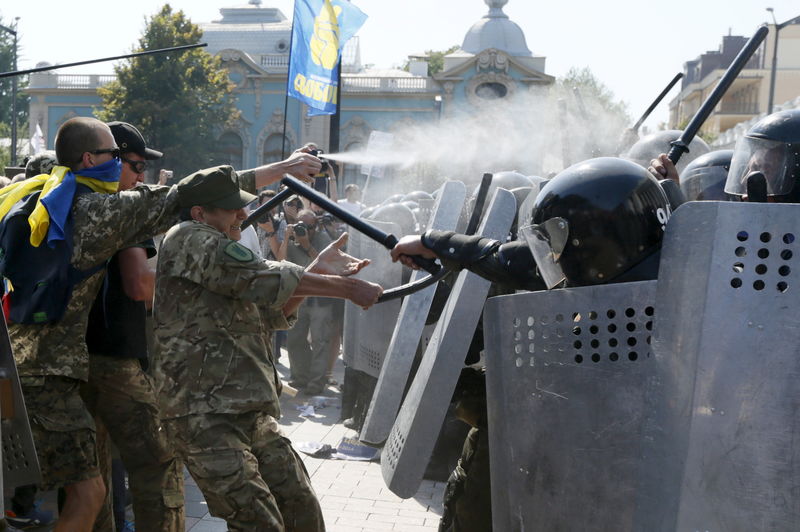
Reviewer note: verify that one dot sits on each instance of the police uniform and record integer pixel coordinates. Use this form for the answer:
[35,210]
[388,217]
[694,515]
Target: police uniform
[52,358]
[215,304]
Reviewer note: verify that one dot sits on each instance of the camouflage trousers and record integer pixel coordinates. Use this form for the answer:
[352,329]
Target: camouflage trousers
[248,472]
[468,496]
[122,398]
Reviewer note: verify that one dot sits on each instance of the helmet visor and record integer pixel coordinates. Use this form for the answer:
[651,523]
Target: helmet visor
[704,184]
[546,242]
[770,157]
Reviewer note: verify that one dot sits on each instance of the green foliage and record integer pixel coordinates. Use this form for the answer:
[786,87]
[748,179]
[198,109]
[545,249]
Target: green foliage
[592,89]
[435,59]
[6,89]
[180,101]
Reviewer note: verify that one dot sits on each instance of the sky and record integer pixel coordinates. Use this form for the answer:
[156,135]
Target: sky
[633,46]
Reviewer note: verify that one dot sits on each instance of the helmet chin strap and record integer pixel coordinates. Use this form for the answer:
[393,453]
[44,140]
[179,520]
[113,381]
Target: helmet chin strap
[756,188]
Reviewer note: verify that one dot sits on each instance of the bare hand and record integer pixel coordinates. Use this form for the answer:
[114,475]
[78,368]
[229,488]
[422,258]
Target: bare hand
[662,167]
[289,231]
[365,294]
[410,245]
[333,261]
[302,165]
[304,242]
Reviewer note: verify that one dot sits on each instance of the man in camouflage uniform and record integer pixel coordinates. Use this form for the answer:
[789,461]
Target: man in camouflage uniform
[118,391]
[52,358]
[215,305]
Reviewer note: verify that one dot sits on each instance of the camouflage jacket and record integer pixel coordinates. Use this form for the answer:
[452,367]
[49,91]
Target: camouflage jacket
[103,224]
[215,303]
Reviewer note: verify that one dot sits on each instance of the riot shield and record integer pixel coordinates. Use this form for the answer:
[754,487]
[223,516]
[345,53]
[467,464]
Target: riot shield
[408,329]
[420,418]
[728,306]
[365,337]
[20,463]
[572,385]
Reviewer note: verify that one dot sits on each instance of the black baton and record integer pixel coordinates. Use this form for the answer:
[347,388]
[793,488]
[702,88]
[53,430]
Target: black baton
[387,240]
[681,145]
[268,206]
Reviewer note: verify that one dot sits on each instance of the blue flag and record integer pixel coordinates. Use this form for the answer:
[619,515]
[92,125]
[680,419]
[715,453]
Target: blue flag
[320,30]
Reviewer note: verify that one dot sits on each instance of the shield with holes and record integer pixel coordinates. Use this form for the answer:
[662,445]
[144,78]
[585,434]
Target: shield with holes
[420,418]
[408,330]
[572,384]
[20,463]
[365,331]
[728,307]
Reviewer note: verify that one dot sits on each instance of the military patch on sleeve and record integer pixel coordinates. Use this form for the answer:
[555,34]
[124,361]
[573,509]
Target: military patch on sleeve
[238,252]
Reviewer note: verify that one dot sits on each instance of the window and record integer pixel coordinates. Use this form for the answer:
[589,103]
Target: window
[230,150]
[273,147]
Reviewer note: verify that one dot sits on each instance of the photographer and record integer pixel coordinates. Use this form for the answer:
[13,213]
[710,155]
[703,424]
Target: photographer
[270,228]
[308,359]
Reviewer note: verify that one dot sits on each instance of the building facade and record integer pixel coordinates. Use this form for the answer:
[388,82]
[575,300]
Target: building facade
[748,96]
[253,42]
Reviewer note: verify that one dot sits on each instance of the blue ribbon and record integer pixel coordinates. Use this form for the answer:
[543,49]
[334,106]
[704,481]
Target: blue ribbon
[59,201]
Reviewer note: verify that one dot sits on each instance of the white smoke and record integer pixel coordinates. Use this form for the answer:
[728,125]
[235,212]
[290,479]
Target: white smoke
[523,132]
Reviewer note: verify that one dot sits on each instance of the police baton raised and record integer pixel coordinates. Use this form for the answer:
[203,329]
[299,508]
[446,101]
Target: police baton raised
[681,145]
[657,101]
[268,206]
[387,240]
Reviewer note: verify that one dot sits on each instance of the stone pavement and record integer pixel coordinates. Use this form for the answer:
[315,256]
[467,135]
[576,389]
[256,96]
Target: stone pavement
[353,495]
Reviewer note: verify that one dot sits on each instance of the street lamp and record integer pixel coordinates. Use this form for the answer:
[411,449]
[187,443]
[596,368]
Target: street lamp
[13,95]
[778,28]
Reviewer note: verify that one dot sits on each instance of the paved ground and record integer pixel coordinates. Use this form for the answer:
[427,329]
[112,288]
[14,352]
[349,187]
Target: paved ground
[353,496]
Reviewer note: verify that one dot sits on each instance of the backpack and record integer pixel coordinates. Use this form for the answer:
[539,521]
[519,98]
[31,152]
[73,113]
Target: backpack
[42,278]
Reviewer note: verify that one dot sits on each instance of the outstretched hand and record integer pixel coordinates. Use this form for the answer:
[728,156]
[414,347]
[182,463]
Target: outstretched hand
[333,261]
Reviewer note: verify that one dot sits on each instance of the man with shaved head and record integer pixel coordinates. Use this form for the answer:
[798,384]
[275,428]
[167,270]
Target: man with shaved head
[86,210]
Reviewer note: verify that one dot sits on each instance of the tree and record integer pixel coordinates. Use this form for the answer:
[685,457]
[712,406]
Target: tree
[435,59]
[7,65]
[180,100]
[606,117]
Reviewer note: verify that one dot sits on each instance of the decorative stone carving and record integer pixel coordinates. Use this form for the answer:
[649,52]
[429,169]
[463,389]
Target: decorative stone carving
[492,59]
[356,130]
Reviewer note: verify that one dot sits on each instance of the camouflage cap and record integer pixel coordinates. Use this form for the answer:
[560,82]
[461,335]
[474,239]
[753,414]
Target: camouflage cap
[41,163]
[213,187]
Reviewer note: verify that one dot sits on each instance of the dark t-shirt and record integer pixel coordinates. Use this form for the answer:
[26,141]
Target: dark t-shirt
[116,322]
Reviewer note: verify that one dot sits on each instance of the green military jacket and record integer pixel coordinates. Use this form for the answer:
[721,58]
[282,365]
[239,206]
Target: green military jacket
[215,303]
[103,224]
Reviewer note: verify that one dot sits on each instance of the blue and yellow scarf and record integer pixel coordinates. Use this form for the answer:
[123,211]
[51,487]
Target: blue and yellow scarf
[58,190]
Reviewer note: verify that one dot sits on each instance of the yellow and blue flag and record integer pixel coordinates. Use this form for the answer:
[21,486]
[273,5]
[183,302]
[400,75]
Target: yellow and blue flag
[320,30]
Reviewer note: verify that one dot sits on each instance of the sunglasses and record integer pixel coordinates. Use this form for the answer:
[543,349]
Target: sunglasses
[115,153]
[138,166]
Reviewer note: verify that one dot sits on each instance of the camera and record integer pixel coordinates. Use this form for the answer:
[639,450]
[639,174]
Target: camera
[325,219]
[300,229]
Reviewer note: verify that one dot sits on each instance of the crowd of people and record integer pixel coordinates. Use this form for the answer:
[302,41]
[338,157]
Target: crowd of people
[223,302]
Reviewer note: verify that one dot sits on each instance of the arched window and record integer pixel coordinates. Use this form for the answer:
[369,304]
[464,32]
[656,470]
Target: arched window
[352,172]
[230,150]
[273,146]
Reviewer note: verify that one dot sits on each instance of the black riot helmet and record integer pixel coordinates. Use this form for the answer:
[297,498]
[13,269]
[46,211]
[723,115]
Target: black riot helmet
[399,214]
[771,147]
[704,178]
[651,146]
[595,221]
[417,195]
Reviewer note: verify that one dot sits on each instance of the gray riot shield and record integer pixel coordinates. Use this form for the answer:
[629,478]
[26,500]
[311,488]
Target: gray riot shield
[365,331]
[419,421]
[408,330]
[728,305]
[572,384]
[20,463]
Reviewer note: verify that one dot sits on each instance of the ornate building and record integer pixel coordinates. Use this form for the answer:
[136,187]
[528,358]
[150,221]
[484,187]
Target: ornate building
[493,62]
